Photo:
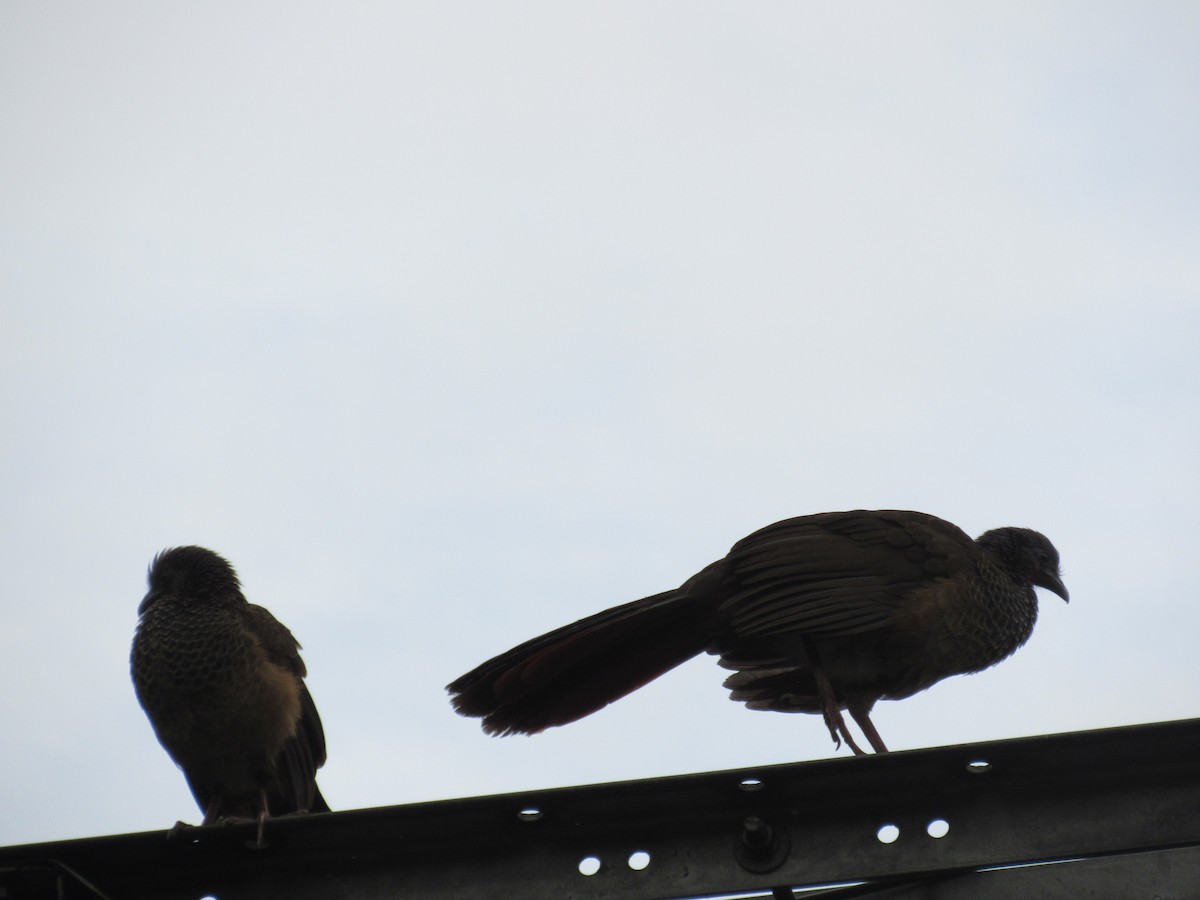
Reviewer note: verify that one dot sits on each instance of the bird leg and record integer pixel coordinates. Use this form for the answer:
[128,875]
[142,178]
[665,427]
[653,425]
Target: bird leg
[212,813]
[862,717]
[830,710]
[212,816]
[263,815]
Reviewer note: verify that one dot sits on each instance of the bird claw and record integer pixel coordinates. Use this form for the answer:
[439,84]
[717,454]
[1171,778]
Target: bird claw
[258,843]
[179,829]
[838,731]
[833,731]
[830,710]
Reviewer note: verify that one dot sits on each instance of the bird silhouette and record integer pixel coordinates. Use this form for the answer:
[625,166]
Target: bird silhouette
[222,683]
[815,614]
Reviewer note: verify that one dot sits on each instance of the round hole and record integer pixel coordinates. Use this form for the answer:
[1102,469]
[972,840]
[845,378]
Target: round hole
[978,766]
[638,860]
[750,784]
[589,865]
[938,828]
[529,814]
[887,834]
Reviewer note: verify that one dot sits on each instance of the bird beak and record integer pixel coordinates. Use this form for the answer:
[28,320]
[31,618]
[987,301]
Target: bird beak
[1051,582]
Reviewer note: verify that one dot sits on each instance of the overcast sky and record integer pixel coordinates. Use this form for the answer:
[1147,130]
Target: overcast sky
[450,323]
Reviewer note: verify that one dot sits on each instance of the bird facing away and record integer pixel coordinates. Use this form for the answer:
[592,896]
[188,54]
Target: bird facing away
[222,683]
[815,614]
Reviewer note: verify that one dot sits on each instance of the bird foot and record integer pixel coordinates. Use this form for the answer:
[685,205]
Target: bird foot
[262,821]
[831,711]
[221,821]
[838,730]
[235,820]
[179,829]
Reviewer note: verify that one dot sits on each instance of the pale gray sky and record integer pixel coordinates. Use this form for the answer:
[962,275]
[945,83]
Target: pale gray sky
[449,323]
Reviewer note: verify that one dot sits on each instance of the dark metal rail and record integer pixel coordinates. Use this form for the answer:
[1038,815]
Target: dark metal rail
[1117,812]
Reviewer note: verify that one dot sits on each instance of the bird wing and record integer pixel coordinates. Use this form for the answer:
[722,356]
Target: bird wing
[304,751]
[836,573]
[282,649]
[302,755]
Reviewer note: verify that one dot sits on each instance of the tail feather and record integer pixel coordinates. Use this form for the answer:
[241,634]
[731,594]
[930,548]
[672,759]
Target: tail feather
[580,668]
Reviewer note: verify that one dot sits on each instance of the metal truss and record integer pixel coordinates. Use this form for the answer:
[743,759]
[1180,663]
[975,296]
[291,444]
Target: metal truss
[1108,814]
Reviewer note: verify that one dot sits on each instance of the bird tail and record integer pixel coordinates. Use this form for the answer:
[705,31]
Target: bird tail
[580,668]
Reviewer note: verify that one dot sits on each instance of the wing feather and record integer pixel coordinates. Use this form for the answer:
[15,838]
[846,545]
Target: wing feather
[834,573]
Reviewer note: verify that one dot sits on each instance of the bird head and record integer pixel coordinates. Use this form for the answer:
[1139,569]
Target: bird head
[189,570]
[1029,555]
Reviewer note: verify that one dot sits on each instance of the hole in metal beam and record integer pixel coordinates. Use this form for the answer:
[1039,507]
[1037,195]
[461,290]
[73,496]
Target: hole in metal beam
[589,865]
[938,828]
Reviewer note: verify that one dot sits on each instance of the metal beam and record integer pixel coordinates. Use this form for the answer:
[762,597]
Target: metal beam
[1117,810]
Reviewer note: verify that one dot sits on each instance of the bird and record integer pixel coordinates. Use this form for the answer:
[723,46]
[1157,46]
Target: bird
[814,614]
[222,683]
